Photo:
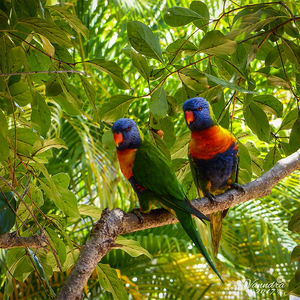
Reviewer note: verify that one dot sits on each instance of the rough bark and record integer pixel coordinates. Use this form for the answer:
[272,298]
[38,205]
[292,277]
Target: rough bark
[11,240]
[115,222]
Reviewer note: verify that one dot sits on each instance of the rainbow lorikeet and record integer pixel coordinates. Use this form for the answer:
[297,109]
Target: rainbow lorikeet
[153,179]
[213,156]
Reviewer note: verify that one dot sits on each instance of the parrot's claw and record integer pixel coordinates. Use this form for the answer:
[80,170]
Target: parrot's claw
[137,212]
[238,187]
[211,197]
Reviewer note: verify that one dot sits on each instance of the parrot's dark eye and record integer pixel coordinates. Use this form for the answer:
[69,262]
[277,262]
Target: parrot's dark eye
[200,108]
[128,128]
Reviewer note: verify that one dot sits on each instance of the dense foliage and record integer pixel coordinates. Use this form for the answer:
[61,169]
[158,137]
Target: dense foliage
[69,70]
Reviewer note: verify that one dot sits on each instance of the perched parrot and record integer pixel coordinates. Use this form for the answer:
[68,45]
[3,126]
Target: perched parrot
[213,156]
[153,179]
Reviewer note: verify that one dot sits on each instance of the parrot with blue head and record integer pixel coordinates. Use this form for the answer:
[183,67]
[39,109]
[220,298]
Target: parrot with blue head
[153,179]
[213,156]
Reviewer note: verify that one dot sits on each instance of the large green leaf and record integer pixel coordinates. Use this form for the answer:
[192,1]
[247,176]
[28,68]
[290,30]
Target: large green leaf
[158,103]
[228,84]
[175,49]
[201,9]
[41,114]
[133,248]
[289,119]
[112,69]
[178,16]
[269,104]
[271,159]
[72,20]
[140,63]
[295,136]
[21,93]
[193,79]
[257,121]
[109,281]
[143,40]
[215,42]
[47,29]
[115,108]
[7,211]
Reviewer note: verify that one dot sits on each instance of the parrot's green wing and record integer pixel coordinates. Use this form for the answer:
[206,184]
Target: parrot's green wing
[153,171]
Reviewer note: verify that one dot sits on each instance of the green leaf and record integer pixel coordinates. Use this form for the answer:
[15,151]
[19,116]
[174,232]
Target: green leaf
[115,108]
[201,9]
[269,104]
[140,63]
[110,281]
[72,94]
[8,207]
[257,121]
[38,62]
[160,144]
[227,68]
[73,21]
[133,248]
[181,167]
[228,84]
[17,57]
[62,179]
[40,114]
[4,149]
[108,141]
[90,210]
[91,94]
[295,256]
[178,16]
[158,103]
[292,52]
[181,145]
[40,269]
[47,29]
[69,108]
[53,87]
[271,159]
[143,40]
[23,269]
[295,136]
[112,69]
[245,164]
[3,124]
[58,245]
[42,146]
[193,79]
[289,119]
[180,46]
[21,93]
[215,42]
[166,125]
[6,57]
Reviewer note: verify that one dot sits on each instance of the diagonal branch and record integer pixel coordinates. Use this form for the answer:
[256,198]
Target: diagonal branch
[115,222]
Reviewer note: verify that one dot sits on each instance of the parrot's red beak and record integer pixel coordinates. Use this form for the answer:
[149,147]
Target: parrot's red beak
[189,116]
[118,137]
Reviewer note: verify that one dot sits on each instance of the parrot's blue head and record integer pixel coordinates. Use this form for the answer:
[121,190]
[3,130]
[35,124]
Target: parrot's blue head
[126,134]
[198,114]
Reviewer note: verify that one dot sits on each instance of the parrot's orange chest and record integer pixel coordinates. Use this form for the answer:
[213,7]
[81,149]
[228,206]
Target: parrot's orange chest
[206,144]
[126,159]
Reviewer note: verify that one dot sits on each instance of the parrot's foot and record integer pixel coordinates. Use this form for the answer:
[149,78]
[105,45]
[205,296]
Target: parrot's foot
[238,187]
[211,197]
[137,212]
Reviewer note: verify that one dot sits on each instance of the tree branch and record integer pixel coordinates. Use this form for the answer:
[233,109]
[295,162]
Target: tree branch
[11,240]
[115,222]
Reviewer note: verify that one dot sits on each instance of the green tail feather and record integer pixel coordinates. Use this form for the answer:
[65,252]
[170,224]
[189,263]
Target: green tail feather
[188,225]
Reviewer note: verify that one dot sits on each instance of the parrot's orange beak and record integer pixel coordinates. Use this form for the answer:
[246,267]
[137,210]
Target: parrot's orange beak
[118,137]
[189,116]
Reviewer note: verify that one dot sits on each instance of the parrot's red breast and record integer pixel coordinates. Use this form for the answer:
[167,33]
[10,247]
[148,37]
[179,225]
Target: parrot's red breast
[126,159]
[206,144]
